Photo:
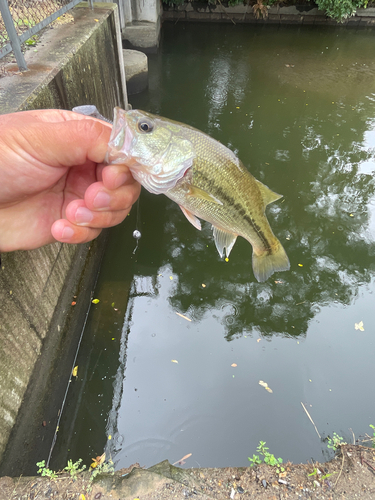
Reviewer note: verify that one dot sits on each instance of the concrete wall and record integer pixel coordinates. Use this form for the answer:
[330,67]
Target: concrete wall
[75,63]
[295,14]
[142,30]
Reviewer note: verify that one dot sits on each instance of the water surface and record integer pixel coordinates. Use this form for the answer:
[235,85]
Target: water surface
[298,107]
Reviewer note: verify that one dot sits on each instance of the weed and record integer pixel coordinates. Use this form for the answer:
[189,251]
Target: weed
[31,42]
[103,468]
[268,458]
[44,471]
[373,435]
[335,442]
[73,468]
[318,475]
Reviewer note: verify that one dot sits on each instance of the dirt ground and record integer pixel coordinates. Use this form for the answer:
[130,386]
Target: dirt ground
[350,475]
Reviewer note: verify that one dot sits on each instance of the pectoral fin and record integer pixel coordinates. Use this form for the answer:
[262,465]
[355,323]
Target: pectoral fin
[268,196]
[191,218]
[224,239]
[199,193]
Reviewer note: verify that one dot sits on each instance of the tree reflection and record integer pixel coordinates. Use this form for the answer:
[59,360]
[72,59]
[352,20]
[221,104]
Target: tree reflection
[298,118]
[323,223]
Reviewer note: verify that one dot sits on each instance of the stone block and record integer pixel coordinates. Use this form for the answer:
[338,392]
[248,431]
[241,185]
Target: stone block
[136,71]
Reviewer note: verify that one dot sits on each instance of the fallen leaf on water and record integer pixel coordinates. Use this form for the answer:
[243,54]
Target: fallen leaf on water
[182,460]
[174,360]
[75,371]
[182,316]
[95,301]
[234,365]
[203,285]
[359,326]
[265,385]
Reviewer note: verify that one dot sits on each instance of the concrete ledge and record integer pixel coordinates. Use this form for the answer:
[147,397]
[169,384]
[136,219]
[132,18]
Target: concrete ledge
[142,35]
[136,70]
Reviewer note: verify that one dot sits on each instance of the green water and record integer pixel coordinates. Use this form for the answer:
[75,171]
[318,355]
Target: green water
[298,107]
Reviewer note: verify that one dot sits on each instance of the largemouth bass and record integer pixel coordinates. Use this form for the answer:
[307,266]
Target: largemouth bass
[204,177]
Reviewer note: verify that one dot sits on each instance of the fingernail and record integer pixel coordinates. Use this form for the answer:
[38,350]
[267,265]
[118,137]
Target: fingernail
[102,200]
[122,178]
[83,215]
[67,233]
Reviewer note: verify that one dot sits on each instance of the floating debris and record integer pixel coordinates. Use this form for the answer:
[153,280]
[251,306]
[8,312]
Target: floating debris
[265,385]
[182,316]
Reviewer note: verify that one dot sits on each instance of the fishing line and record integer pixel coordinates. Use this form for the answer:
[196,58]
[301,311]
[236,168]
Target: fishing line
[137,233]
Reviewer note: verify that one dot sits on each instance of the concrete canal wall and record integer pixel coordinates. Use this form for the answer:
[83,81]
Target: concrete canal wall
[79,62]
[296,14]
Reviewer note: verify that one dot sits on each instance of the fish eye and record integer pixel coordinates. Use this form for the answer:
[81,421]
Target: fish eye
[145,125]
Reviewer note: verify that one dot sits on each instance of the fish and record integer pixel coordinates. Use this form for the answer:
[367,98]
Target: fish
[204,177]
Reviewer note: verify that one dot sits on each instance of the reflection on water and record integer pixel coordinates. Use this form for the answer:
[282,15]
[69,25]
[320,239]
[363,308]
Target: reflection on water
[298,107]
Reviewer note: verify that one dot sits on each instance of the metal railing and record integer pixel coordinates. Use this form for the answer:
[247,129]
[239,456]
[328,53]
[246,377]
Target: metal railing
[21,19]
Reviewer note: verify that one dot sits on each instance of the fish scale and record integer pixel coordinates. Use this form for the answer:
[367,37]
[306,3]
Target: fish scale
[204,177]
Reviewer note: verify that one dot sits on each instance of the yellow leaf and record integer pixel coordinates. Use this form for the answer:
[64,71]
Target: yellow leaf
[95,301]
[109,437]
[174,360]
[97,461]
[226,259]
[82,497]
[300,265]
[203,285]
[75,371]
[359,326]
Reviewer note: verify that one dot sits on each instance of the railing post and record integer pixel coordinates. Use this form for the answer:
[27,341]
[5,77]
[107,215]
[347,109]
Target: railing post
[12,33]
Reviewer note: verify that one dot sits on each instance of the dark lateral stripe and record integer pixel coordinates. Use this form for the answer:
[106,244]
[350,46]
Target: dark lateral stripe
[241,211]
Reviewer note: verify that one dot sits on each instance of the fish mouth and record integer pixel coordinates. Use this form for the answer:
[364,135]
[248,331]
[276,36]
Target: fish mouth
[120,141]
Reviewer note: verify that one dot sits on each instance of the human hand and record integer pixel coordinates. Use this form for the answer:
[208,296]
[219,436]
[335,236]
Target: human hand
[53,184]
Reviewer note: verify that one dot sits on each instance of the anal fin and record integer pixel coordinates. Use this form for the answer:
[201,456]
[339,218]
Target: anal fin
[224,239]
[191,217]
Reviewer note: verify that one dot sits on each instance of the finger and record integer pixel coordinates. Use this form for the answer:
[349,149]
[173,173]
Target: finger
[45,115]
[66,232]
[114,176]
[98,198]
[84,139]
[78,214]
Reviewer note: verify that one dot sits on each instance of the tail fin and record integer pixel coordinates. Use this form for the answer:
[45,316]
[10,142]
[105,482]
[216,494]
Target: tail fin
[267,263]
